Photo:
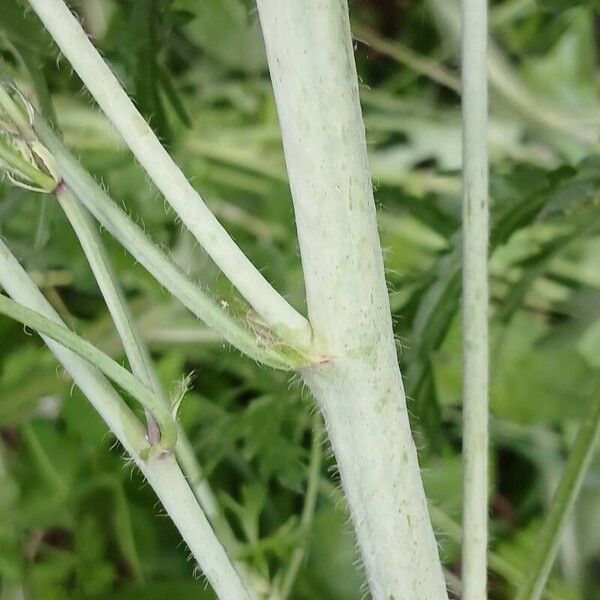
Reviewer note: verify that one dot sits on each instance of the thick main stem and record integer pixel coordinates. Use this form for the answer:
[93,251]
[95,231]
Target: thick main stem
[358,385]
[475,212]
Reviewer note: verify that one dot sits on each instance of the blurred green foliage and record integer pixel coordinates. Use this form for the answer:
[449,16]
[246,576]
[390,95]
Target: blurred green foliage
[76,522]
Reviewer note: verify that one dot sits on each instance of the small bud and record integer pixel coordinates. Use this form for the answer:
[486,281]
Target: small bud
[24,160]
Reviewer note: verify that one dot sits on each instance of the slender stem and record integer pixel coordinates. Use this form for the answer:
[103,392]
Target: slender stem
[114,102]
[162,472]
[13,112]
[475,298]
[91,243]
[138,354]
[564,498]
[358,388]
[508,85]
[131,236]
[107,365]
[498,564]
[174,492]
[135,347]
[310,503]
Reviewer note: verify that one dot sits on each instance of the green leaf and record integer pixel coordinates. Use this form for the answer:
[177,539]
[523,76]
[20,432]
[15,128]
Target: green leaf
[228,32]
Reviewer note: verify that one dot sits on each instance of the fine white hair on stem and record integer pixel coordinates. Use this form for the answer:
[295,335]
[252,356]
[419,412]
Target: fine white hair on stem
[359,389]
[163,473]
[104,86]
[475,211]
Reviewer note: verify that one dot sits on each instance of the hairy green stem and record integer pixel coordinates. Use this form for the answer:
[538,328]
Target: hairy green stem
[131,236]
[121,376]
[187,203]
[97,257]
[475,214]
[13,112]
[162,471]
[137,352]
[358,385]
[548,541]
[135,347]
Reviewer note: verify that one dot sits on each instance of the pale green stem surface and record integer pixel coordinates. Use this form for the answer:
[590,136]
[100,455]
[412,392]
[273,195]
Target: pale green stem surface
[548,541]
[357,384]
[187,203]
[475,215]
[133,343]
[131,236]
[137,351]
[162,472]
[18,117]
[97,257]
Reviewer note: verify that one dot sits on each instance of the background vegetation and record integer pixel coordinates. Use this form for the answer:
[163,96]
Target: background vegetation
[76,522]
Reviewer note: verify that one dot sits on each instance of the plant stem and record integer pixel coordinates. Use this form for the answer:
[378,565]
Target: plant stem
[310,502]
[97,257]
[498,564]
[137,351]
[162,472]
[114,102]
[115,221]
[13,112]
[92,355]
[358,385]
[508,85]
[549,538]
[135,347]
[475,214]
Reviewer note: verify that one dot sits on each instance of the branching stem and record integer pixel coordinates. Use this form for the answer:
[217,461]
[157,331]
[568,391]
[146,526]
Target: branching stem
[120,110]
[162,472]
[270,352]
[107,365]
